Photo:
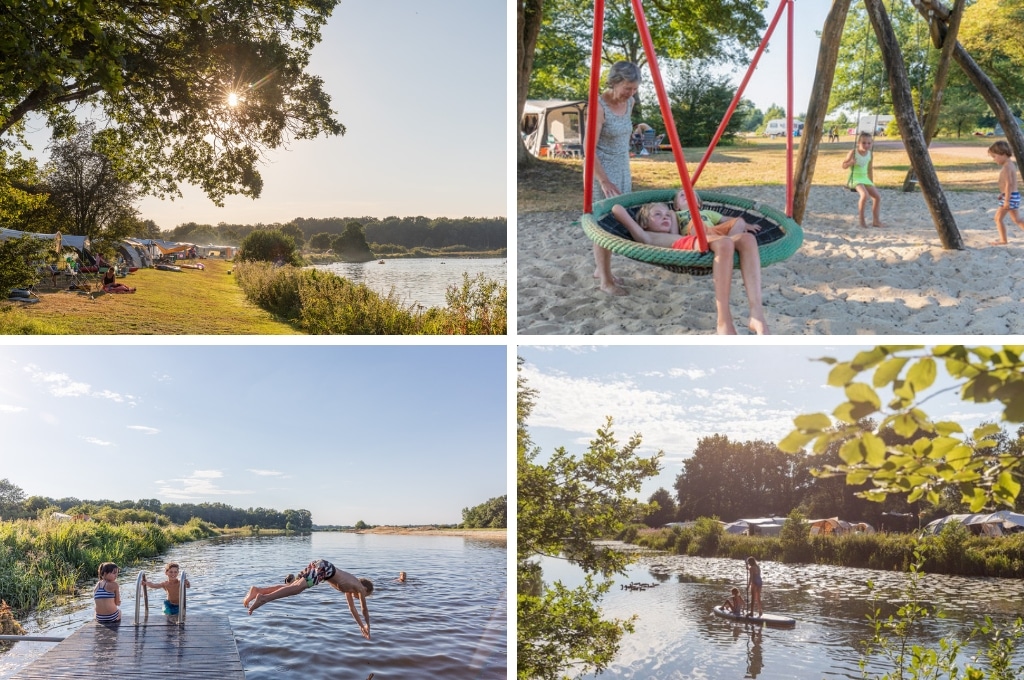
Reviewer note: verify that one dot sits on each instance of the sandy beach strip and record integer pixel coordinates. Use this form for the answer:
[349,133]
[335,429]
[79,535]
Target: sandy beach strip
[844,280]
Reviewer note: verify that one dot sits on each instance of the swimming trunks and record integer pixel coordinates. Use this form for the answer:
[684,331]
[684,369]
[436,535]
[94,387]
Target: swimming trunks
[1014,200]
[686,243]
[317,571]
[170,609]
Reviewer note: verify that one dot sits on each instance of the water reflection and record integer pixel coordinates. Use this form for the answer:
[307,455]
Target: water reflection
[678,637]
[421,281]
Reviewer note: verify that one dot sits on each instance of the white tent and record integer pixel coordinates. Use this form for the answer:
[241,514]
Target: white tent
[763,526]
[830,526]
[987,524]
[79,243]
[551,120]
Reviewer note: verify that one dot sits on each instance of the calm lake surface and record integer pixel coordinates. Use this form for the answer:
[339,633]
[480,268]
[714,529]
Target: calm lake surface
[447,621]
[678,638]
[418,280]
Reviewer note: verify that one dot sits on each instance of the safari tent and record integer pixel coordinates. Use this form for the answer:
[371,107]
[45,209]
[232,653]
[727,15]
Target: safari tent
[763,526]
[210,250]
[559,120]
[833,526]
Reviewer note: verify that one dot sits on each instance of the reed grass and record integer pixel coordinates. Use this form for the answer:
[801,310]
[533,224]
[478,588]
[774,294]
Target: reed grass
[953,551]
[322,303]
[42,560]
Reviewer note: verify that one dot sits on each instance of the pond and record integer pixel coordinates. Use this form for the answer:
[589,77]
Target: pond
[421,281]
[677,637]
[448,620]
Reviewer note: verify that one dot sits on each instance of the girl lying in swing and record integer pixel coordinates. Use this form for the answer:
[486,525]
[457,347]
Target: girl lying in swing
[657,224]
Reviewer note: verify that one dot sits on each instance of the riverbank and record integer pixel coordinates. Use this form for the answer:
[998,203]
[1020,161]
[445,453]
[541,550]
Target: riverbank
[489,534]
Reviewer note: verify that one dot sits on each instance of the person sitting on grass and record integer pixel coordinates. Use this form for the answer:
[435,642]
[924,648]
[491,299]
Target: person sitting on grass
[110,284]
[657,224]
[318,571]
[173,587]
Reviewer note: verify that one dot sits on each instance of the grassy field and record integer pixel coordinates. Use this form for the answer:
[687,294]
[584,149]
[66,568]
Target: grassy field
[192,302]
[962,165]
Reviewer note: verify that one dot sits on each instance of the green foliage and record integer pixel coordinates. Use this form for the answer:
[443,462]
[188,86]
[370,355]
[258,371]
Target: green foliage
[699,102]
[269,245]
[160,75]
[893,634]
[17,262]
[321,303]
[990,32]
[351,245]
[938,454]
[492,514]
[320,241]
[564,505]
[795,538]
[707,536]
[360,525]
[665,508]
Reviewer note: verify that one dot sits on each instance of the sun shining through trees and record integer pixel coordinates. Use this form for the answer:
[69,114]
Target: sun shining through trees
[233,99]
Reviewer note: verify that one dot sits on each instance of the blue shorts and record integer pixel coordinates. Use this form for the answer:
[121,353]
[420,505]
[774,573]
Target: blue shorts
[170,609]
[1014,200]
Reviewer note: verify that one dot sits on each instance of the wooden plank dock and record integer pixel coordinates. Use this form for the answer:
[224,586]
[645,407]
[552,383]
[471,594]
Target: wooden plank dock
[204,647]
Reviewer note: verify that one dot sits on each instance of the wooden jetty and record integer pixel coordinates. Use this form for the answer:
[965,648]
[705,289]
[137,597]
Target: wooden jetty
[203,647]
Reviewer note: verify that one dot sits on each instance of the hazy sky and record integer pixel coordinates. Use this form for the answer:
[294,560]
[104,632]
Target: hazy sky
[674,396]
[387,435]
[420,87]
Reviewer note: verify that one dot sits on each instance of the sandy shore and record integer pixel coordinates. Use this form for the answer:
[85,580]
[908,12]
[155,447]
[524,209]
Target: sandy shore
[489,534]
[843,280]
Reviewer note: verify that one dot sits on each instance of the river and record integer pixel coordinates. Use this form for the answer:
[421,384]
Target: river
[447,621]
[418,280]
[678,638]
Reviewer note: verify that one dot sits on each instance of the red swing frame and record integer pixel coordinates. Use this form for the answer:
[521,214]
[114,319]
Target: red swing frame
[666,110]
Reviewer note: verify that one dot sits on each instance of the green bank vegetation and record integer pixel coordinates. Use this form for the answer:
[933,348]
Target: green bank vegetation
[953,551]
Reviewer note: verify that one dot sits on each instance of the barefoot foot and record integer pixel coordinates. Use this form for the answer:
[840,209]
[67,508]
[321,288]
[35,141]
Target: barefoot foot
[249,596]
[759,327]
[998,243]
[613,289]
[726,329]
[615,279]
[878,224]
[257,603]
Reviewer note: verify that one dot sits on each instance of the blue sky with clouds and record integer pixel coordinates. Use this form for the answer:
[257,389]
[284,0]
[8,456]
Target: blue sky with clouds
[386,434]
[673,396]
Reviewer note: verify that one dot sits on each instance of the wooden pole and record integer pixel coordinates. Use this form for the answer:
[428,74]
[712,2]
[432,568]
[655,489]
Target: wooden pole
[910,130]
[814,124]
[931,119]
[982,82]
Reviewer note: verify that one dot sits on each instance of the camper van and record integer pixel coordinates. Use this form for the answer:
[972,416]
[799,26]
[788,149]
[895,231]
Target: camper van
[777,128]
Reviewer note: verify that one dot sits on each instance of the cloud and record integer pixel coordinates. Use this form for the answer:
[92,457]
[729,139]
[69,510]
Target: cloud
[7,408]
[200,484]
[266,473]
[62,385]
[144,429]
[98,442]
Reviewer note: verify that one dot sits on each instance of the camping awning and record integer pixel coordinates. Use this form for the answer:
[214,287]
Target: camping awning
[79,243]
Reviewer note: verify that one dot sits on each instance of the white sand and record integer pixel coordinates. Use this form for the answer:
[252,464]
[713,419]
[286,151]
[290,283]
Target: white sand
[843,280]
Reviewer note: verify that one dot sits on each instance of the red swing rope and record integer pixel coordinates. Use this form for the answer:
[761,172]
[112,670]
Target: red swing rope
[666,110]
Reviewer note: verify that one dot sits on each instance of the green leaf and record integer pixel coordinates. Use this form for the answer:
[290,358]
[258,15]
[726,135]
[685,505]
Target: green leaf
[904,426]
[857,477]
[1006,486]
[874,449]
[947,427]
[795,441]
[888,370]
[987,430]
[814,422]
[862,393]
[851,452]
[841,374]
[921,374]
[869,358]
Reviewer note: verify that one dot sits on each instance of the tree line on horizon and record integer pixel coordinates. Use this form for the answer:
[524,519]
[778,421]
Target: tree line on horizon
[14,505]
[734,480]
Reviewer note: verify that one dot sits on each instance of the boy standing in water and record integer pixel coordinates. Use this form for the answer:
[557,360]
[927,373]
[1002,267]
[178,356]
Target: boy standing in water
[1009,196]
[318,571]
[173,587]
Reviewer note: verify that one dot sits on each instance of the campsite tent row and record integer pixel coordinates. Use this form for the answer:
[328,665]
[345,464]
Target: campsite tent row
[771,526]
[984,524]
[79,243]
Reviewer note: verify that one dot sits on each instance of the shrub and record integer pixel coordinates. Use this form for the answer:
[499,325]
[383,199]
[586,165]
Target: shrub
[269,245]
[795,538]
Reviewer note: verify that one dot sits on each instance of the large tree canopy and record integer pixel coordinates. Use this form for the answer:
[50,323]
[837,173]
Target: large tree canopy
[192,91]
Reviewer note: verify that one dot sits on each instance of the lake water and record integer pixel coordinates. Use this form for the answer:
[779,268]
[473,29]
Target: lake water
[421,281]
[447,621]
[678,638]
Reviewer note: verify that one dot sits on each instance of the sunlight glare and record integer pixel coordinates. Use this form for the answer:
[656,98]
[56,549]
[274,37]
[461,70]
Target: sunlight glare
[232,99]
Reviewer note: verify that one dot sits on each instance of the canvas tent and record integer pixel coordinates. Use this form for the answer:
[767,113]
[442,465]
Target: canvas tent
[553,120]
[210,250]
[833,526]
[763,526]
[135,253]
[79,243]
[984,524]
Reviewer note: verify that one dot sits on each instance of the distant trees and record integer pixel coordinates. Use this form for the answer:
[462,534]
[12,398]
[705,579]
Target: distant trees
[699,102]
[351,245]
[492,514]
[666,509]
[11,495]
[270,245]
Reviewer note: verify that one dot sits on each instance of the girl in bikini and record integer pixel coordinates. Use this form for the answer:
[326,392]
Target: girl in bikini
[107,594]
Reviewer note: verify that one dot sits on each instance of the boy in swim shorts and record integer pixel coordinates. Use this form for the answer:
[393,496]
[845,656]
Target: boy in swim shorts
[1009,196]
[657,224]
[173,587]
[318,571]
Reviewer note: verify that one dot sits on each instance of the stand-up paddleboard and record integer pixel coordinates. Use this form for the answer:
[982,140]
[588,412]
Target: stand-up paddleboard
[773,620]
